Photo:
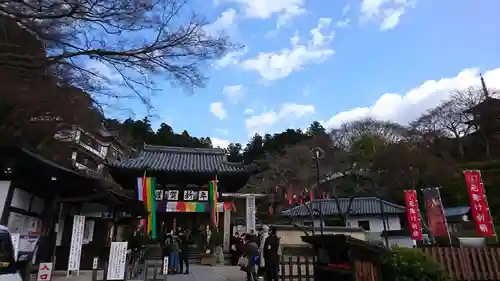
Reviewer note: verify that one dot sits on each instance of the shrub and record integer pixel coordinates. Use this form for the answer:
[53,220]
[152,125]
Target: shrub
[404,264]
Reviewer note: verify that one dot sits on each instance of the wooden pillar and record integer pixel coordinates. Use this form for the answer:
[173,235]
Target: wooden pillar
[50,215]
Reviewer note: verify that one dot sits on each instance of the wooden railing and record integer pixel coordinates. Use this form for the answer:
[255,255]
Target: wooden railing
[467,263]
[296,269]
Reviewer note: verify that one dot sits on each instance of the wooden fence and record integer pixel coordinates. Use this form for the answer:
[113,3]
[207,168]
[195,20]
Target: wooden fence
[296,269]
[467,263]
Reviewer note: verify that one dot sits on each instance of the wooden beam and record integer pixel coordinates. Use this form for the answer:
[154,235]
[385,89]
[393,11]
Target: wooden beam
[95,196]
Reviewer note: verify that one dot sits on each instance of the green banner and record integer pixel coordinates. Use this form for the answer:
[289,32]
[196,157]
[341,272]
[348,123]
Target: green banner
[153,207]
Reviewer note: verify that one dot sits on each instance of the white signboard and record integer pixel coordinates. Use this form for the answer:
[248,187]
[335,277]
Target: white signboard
[75,251]
[165,265]
[15,243]
[203,195]
[189,195]
[250,213]
[88,233]
[172,195]
[27,243]
[44,271]
[95,262]
[117,261]
[159,195]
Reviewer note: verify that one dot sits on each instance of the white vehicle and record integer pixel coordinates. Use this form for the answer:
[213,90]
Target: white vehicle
[8,263]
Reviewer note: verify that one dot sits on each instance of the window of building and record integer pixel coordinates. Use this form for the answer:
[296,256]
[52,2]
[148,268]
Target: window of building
[307,223]
[86,139]
[86,161]
[365,224]
[115,154]
[334,222]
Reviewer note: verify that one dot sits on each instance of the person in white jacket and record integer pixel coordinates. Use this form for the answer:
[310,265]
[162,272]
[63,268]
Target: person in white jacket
[263,237]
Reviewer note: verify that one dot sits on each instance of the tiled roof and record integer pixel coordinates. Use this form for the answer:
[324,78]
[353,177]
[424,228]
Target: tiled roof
[359,207]
[456,211]
[180,159]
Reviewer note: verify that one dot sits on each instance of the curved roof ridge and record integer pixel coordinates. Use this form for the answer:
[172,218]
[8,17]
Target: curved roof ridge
[161,148]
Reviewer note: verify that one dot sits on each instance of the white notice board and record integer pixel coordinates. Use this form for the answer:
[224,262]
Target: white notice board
[117,261]
[15,243]
[75,251]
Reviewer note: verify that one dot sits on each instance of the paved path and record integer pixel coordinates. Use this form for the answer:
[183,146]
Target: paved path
[197,273]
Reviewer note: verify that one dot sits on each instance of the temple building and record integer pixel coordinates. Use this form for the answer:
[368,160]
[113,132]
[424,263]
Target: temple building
[182,184]
[485,118]
[38,198]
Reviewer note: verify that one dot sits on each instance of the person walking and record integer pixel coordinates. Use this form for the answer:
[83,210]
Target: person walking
[173,253]
[251,252]
[263,237]
[235,248]
[183,251]
[271,248]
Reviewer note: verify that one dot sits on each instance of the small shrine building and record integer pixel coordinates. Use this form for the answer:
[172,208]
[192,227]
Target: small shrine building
[182,177]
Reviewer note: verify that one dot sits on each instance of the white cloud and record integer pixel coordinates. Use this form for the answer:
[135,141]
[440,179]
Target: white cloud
[248,111]
[222,131]
[289,111]
[105,73]
[278,65]
[387,12]
[343,23]
[265,9]
[216,142]
[231,58]
[234,93]
[406,107]
[217,109]
[223,22]
[346,10]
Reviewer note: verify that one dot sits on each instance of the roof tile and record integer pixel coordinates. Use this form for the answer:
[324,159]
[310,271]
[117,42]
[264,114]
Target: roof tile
[180,159]
[360,206]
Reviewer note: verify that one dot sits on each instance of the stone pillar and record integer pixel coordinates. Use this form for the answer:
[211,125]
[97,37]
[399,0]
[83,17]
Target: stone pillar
[250,214]
[227,230]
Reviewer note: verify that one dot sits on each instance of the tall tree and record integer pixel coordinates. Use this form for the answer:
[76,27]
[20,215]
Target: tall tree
[315,129]
[137,39]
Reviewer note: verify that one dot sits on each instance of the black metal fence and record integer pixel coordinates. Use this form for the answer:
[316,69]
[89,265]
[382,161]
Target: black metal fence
[296,268]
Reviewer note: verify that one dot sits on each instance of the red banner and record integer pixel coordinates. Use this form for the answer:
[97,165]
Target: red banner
[413,214]
[434,210]
[479,204]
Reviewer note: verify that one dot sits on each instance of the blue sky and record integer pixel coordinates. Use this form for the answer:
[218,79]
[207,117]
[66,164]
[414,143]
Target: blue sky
[333,61]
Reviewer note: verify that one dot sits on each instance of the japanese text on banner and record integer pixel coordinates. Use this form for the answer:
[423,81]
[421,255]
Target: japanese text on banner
[479,205]
[413,214]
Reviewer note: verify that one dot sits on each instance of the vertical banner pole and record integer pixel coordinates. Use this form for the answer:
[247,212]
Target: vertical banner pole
[444,215]
[489,211]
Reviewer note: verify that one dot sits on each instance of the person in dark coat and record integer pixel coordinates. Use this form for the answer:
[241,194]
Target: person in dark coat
[183,251]
[235,243]
[251,251]
[271,257]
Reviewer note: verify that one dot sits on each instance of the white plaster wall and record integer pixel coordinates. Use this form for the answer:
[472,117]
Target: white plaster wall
[4,189]
[376,224]
[20,223]
[293,237]
[401,242]
[21,199]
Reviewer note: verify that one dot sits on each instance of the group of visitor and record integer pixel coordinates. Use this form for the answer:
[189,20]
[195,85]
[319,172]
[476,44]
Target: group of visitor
[176,246]
[257,255]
